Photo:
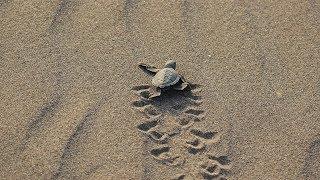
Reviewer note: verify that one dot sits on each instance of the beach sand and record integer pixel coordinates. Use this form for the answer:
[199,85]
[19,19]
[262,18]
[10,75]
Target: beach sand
[72,95]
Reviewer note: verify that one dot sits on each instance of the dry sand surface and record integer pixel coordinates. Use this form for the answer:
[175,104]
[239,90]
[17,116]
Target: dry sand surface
[72,98]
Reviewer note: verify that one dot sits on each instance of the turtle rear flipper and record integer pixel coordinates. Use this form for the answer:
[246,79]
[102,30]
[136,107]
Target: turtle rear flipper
[154,92]
[183,84]
[151,70]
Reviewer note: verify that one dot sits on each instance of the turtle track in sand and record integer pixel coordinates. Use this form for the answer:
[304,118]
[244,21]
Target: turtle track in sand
[174,141]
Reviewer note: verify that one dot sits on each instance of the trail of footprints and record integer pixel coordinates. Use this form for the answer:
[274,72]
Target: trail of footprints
[169,126]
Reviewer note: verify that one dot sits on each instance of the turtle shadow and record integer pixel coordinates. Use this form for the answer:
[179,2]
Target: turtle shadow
[172,102]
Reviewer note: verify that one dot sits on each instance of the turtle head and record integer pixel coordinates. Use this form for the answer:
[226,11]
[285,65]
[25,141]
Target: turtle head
[170,64]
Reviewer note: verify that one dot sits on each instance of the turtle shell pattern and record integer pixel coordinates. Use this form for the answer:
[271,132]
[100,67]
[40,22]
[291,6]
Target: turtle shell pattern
[165,77]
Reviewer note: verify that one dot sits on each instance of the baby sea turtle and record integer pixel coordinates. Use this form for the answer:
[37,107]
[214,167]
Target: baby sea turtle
[165,78]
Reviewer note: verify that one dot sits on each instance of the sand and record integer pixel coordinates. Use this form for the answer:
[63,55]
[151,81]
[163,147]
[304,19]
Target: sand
[72,95]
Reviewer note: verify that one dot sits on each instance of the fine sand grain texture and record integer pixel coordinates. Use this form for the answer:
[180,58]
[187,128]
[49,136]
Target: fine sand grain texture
[74,104]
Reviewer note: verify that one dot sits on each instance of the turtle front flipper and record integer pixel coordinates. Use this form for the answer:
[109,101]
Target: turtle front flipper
[154,92]
[151,70]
